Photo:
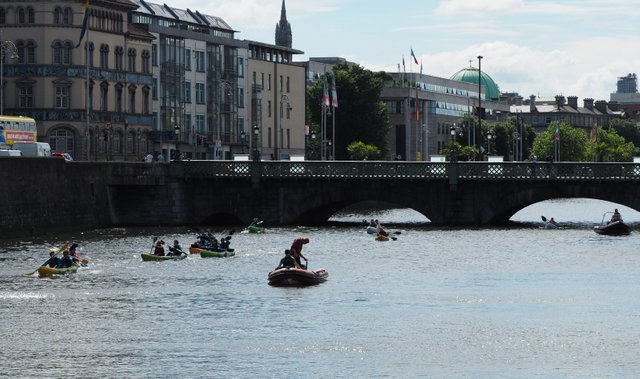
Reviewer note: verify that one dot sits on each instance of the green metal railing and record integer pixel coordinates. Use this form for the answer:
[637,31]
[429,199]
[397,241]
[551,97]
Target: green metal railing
[405,170]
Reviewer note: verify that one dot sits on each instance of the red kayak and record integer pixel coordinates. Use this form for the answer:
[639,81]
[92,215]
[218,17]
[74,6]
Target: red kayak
[290,276]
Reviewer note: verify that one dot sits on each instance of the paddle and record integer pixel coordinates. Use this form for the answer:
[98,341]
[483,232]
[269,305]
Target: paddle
[543,218]
[153,244]
[62,248]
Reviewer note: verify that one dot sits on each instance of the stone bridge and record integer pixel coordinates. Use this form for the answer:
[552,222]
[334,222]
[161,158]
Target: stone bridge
[309,193]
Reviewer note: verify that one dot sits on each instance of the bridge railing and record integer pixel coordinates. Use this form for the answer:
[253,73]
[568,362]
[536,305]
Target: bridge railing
[408,170]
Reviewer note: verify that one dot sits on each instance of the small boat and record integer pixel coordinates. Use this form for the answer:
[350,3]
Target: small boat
[290,276]
[550,225]
[44,271]
[217,253]
[380,237]
[616,228]
[155,258]
[372,230]
[195,250]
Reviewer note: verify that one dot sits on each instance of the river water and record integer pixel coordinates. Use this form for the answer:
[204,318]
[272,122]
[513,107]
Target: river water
[514,302]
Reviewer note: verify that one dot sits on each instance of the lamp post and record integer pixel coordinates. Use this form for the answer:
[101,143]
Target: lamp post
[5,47]
[243,139]
[177,131]
[480,93]
[490,136]
[256,151]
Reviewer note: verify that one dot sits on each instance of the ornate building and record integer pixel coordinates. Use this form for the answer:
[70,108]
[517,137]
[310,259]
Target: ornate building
[283,29]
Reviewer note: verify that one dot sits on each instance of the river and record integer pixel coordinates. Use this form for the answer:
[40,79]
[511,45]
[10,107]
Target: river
[512,302]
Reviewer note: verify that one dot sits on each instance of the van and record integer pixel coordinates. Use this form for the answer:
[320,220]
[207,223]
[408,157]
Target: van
[33,149]
[10,153]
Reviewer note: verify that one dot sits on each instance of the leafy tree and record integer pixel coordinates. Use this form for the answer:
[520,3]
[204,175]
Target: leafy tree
[360,116]
[608,146]
[627,129]
[573,143]
[359,150]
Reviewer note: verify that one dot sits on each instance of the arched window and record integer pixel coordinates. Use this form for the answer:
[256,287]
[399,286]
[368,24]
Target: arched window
[119,58]
[62,140]
[30,53]
[131,147]
[57,52]
[68,16]
[104,56]
[132,60]
[20,16]
[67,54]
[116,143]
[31,16]
[3,17]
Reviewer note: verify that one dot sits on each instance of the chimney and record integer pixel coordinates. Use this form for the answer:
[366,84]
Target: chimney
[518,100]
[532,104]
[573,101]
[614,106]
[601,105]
[559,101]
[588,103]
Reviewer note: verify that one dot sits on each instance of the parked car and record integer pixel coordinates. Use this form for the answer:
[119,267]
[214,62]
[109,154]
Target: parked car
[67,157]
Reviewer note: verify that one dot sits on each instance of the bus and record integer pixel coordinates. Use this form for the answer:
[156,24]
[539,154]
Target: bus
[17,129]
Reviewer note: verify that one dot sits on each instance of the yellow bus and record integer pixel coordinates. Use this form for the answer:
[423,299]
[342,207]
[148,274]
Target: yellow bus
[17,129]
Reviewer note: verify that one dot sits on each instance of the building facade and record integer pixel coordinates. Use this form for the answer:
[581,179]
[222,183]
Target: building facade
[147,77]
[90,97]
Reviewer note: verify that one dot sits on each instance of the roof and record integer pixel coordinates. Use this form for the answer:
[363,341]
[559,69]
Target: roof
[471,74]
[182,15]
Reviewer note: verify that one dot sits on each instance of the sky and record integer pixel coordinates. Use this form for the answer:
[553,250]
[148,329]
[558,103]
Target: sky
[533,47]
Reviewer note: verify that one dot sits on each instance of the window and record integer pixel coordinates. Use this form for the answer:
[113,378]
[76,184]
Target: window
[62,97]
[146,69]
[132,99]
[200,123]
[200,64]
[154,55]
[20,16]
[57,16]
[132,60]
[200,93]
[281,84]
[240,95]
[31,16]
[187,92]
[62,140]
[187,121]
[25,97]
[104,93]
[269,83]
[119,58]
[288,84]
[104,56]
[145,100]
[187,59]
[68,16]
[26,52]
[118,97]
[269,109]
[241,67]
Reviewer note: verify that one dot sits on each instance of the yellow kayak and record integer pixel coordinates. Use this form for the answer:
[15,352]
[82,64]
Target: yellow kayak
[50,271]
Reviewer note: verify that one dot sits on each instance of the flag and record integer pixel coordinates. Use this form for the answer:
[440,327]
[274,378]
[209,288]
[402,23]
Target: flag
[420,68]
[413,55]
[404,68]
[557,132]
[325,93]
[85,23]
[334,92]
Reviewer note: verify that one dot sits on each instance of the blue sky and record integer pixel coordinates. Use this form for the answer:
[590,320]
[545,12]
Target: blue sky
[545,48]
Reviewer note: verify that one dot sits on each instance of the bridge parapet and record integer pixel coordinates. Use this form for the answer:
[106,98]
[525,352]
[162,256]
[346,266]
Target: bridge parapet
[382,170]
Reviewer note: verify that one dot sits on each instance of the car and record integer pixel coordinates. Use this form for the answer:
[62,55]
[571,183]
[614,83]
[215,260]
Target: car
[67,157]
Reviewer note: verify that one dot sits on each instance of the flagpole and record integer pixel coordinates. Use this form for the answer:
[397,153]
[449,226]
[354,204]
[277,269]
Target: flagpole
[86,100]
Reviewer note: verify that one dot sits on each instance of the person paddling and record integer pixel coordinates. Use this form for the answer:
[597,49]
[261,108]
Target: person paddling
[53,260]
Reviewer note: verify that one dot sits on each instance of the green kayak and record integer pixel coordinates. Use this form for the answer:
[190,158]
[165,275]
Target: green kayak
[151,257]
[217,254]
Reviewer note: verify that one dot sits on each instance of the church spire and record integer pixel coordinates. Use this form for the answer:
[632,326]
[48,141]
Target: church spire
[283,29]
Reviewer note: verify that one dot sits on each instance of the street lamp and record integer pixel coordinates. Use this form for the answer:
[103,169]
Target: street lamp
[243,139]
[490,136]
[480,93]
[284,99]
[256,151]
[5,47]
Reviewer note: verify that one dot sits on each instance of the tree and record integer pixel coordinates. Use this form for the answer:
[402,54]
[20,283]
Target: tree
[359,150]
[627,129]
[360,116]
[573,143]
[608,146]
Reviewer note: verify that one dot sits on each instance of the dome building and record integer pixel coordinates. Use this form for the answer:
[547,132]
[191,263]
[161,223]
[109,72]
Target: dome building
[470,75]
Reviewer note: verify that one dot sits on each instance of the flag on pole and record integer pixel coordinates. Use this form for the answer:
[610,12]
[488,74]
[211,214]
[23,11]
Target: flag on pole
[404,68]
[413,55]
[85,23]
[334,92]
[325,93]
[421,68]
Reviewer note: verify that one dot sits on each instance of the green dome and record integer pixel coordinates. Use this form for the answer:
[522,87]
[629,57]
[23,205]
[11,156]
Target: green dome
[470,75]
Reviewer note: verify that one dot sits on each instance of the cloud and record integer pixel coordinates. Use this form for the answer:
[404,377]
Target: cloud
[456,7]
